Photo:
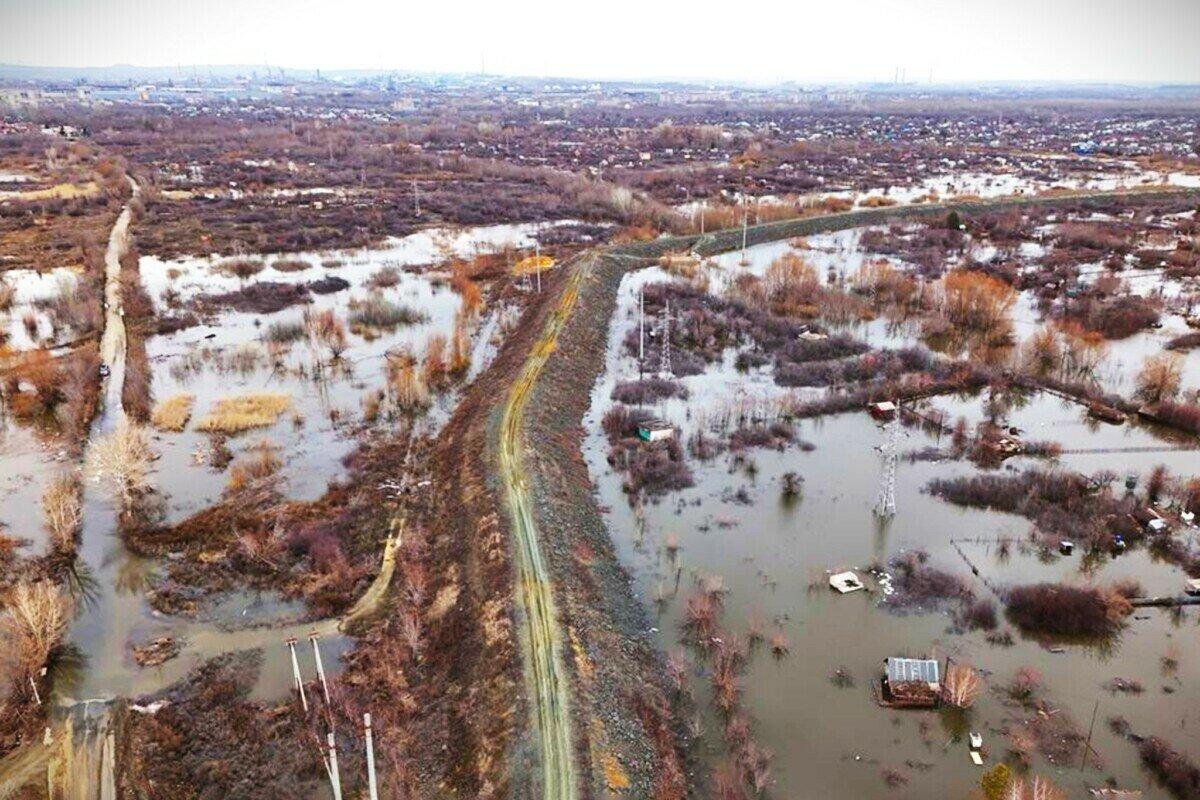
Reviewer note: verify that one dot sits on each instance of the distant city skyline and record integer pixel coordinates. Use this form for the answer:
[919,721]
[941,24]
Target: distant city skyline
[1109,41]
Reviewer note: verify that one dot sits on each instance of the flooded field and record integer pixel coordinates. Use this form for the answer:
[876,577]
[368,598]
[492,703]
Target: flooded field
[773,551]
[235,353]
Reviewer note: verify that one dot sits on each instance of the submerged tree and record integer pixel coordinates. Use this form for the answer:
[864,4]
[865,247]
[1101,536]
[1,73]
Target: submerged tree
[122,460]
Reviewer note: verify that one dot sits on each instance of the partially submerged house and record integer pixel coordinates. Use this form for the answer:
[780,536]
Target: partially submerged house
[910,683]
[885,410]
[655,430]
[1150,520]
[846,582]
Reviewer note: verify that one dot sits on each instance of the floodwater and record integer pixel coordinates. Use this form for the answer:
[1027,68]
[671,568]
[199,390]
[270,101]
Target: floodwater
[27,324]
[1060,173]
[228,356]
[774,558]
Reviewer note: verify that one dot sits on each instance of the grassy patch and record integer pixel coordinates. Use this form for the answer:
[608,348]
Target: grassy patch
[173,413]
[378,312]
[249,411]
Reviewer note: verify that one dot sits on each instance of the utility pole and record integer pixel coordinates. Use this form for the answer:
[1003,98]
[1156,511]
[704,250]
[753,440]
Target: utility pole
[372,788]
[641,326]
[331,766]
[312,637]
[537,263]
[745,215]
[416,199]
[299,682]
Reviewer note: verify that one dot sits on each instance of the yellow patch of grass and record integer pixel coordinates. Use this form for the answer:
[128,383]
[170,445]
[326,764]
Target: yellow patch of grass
[62,191]
[246,412]
[173,413]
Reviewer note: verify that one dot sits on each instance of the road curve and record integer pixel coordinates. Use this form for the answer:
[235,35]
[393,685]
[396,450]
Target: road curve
[545,675]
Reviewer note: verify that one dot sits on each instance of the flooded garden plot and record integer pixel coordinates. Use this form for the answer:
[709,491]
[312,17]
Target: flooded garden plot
[732,539]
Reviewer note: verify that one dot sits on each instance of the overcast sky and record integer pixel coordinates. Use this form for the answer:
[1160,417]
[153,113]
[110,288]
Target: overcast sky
[958,40]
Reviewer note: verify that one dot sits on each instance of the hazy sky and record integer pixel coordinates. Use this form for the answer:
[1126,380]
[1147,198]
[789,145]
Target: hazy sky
[1091,40]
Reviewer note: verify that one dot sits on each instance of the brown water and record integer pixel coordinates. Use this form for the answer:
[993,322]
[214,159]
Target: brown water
[774,558]
[311,439]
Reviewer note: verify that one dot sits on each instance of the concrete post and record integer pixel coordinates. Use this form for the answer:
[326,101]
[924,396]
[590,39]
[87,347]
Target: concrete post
[372,788]
[291,643]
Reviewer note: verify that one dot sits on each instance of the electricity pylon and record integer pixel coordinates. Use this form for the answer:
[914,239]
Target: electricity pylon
[886,505]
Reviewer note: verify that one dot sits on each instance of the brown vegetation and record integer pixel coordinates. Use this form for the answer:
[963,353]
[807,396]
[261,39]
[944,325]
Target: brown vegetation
[62,508]
[1064,610]
[239,414]
[122,460]
[173,413]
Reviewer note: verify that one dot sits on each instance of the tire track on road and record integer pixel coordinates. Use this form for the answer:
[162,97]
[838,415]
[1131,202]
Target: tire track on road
[545,673]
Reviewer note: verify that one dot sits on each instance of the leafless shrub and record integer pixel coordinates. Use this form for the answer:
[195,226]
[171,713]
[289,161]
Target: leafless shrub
[122,460]
[325,330]
[1179,774]
[241,268]
[36,619]
[961,686]
[1067,610]
[1160,377]
[406,383]
[62,507]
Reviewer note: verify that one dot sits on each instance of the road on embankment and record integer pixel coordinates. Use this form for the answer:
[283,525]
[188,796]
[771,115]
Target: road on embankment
[545,673]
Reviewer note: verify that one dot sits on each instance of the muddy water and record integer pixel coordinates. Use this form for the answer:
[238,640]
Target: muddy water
[775,557]
[30,458]
[311,439]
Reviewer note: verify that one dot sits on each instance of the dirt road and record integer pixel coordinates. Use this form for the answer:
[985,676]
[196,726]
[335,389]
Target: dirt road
[113,341]
[545,674]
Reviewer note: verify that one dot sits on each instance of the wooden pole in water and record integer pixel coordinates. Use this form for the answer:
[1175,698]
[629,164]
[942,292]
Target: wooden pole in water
[335,779]
[641,327]
[291,643]
[1088,744]
[745,214]
[312,637]
[372,788]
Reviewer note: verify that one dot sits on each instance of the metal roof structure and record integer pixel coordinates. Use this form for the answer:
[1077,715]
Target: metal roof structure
[901,670]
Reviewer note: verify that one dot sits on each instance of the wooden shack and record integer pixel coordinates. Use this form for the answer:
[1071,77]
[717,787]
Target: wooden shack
[910,683]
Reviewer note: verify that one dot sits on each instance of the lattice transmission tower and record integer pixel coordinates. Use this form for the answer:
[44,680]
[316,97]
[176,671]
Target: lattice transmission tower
[885,507]
[664,365]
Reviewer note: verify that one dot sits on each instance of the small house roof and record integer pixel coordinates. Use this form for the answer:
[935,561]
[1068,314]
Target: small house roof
[656,425]
[845,582]
[900,670]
